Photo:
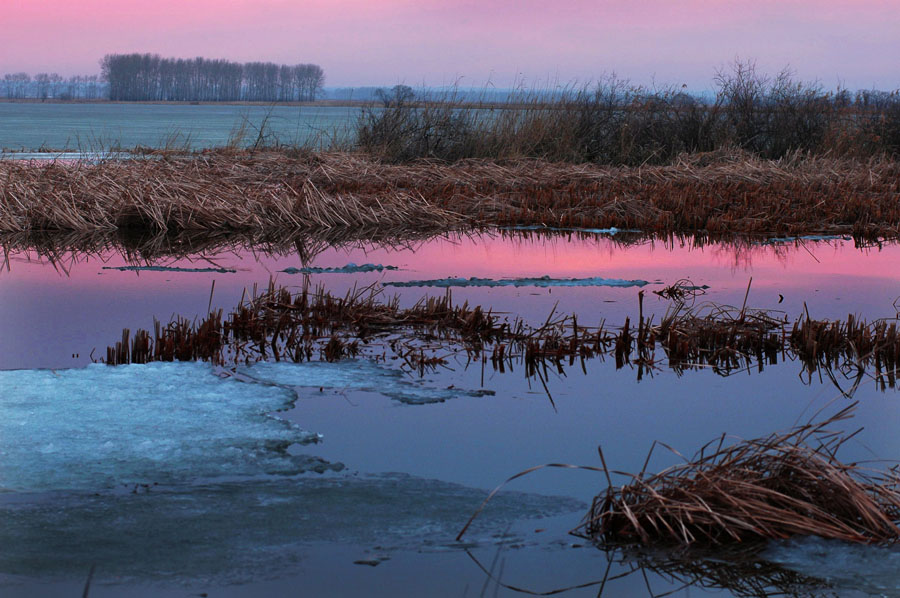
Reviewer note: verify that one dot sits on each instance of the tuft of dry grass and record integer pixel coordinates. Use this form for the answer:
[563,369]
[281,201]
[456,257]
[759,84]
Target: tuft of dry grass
[272,192]
[774,487]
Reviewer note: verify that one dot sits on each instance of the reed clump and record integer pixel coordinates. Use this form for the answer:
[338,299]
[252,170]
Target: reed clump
[774,487]
[833,344]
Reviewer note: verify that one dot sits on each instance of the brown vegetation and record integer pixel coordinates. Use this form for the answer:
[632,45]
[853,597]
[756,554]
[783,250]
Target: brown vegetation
[768,488]
[267,192]
[280,325]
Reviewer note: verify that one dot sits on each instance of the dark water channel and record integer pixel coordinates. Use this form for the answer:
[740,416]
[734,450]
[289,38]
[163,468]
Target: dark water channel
[354,477]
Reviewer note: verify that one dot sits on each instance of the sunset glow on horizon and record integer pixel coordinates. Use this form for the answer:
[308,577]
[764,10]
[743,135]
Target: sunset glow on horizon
[499,43]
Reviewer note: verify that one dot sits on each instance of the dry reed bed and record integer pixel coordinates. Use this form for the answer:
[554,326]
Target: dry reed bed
[774,487]
[717,192]
[280,325]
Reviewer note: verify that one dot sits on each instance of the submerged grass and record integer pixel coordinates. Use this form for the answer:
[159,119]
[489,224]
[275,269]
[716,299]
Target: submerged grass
[278,324]
[277,192]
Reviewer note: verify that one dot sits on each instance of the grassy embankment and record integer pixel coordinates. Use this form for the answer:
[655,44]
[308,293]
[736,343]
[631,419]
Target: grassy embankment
[768,155]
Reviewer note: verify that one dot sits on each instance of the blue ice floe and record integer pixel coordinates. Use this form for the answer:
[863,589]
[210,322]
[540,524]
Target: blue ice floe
[350,268]
[363,375]
[102,426]
[543,281]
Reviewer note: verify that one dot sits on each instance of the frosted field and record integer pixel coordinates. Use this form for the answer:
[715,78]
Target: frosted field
[94,127]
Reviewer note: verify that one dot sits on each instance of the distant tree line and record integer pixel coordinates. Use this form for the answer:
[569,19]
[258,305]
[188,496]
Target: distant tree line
[148,77]
[43,86]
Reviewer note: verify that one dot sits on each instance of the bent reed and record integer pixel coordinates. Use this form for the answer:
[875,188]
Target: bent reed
[774,487]
[726,191]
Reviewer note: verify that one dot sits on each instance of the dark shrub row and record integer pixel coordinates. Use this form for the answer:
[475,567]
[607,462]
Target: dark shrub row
[614,122]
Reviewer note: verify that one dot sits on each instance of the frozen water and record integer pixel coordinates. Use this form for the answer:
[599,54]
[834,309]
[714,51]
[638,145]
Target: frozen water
[593,231]
[350,268]
[355,375]
[243,530]
[869,570]
[781,240]
[80,156]
[100,426]
[165,422]
[543,281]
[169,269]
[70,440]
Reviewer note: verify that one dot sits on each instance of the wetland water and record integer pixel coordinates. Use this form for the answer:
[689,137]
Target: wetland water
[354,477]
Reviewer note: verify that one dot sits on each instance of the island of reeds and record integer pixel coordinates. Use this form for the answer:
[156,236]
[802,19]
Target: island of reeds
[764,154]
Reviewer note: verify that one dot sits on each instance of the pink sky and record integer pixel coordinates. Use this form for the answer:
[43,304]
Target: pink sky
[435,42]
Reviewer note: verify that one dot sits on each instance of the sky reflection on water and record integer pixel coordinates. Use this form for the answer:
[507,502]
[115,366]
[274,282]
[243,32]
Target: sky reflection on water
[53,318]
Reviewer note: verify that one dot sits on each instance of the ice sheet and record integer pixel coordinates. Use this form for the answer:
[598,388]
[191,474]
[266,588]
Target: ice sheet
[868,570]
[102,426]
[356,375]
[350,268]
[244,530]
[542,281]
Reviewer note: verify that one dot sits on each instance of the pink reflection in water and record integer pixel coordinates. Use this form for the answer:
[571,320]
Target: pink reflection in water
[47,314]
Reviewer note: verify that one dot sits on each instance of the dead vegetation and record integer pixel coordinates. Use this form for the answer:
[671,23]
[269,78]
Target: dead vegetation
[277,324]
[279,192]
[775,487]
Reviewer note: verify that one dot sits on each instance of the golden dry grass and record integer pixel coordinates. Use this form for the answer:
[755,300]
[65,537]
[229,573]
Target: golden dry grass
[774,487]
[719,192]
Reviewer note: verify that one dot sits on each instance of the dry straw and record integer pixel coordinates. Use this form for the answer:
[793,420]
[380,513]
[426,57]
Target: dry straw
[774,487]
[726,191]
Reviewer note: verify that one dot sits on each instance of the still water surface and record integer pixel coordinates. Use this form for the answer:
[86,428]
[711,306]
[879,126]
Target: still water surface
[390,483]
